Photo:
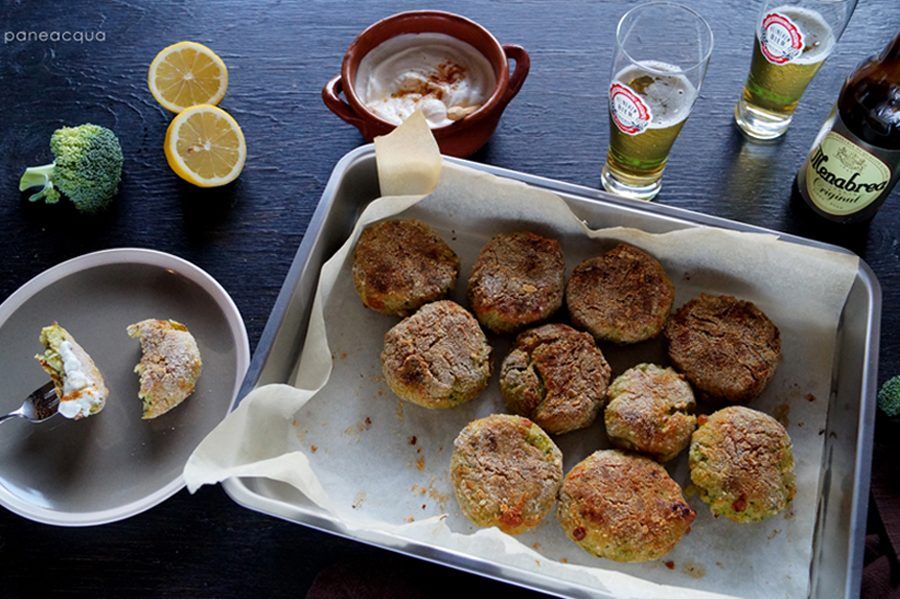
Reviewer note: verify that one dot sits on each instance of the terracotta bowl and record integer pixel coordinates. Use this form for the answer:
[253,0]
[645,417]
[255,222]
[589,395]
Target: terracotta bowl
[462,138]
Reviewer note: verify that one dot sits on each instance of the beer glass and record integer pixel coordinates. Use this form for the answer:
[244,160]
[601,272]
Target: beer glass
[792,40]
[662,50]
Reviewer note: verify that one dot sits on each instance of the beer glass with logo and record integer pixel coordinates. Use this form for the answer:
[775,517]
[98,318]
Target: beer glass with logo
[792,40]
[662,50]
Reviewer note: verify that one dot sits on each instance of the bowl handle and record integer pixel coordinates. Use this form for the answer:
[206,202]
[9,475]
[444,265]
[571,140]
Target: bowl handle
[523,64]
[331,96]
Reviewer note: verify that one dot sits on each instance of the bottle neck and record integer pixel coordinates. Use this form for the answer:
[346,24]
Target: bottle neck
[869,102]
[892,51]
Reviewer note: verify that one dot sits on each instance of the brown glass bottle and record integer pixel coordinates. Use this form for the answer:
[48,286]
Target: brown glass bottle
[855,160]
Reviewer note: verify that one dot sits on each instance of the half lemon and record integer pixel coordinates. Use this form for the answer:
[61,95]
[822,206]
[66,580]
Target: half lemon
[205,146]
[187,74]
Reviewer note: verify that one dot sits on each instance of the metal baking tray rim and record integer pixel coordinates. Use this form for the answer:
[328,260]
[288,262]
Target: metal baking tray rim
[239,492]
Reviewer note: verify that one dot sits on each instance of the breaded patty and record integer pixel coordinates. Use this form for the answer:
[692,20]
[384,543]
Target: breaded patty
[78,383]
[651,410]
[400,265]
[438,357]
[505,472]
[556,376]
[726,347]
[743,465]
[170,364]
[623,296]
[517,280]
[623,507]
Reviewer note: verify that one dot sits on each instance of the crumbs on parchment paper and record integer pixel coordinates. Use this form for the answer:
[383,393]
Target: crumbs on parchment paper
[810,397]
[437,495]
[432,491]
[420,457]
[670,565]
[314,448]
[536,546]
[360,427]
[782,414]
[693,569]
[409,519]
[563,560]
[773,533]
[399,410]
[358,500]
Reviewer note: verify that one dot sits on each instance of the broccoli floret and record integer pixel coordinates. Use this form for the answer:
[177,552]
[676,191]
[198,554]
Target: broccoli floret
[87,169]
[889,397]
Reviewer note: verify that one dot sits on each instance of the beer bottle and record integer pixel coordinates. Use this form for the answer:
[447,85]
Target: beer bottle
[855,160]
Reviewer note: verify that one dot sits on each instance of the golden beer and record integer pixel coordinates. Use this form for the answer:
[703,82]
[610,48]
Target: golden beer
[638,159]
[777,88]
[790,47]
[662,51]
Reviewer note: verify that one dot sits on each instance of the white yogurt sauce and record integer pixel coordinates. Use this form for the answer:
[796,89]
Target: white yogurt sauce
[80,391]
[432,71]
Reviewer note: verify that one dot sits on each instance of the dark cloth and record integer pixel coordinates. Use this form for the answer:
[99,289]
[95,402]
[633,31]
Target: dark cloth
[881,566]
[349,580]
[395,576]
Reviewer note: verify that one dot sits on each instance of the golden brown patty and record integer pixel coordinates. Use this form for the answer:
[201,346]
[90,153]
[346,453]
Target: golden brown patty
[623,507]
[556,376]
[170,364]
[726,347]
[743,465]
[438,357]
[623,296]
[505,472]
[651,411]
[79,396]
[400,265]
[517,280]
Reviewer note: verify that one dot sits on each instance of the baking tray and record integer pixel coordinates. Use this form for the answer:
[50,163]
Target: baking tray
[836,564]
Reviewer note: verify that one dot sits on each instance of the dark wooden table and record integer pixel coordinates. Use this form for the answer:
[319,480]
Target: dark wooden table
[279,55]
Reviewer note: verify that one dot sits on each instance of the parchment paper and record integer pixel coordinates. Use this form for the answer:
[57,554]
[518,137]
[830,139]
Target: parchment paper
[345,441]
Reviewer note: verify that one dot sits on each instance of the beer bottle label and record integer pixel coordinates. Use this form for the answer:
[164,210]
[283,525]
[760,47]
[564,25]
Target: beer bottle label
[780,39]
[842,178]
[629,111]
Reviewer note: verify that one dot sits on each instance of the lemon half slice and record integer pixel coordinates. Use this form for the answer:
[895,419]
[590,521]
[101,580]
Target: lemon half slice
[205,146]
[187,74]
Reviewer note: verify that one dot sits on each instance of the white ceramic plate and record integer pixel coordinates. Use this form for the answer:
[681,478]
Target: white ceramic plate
[112,465]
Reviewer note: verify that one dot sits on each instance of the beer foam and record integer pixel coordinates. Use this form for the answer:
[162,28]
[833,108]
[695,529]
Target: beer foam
[670,97]
[817,33]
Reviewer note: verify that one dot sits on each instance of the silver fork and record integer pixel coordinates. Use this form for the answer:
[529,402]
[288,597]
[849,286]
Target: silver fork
[41,405]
